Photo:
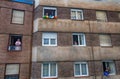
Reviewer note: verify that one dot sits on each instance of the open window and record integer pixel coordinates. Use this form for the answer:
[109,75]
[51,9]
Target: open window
[15,43]
[79,39]
[110,65]
[49,13]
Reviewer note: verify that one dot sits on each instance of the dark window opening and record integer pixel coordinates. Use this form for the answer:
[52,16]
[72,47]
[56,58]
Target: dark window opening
[12,77]
[50,13]
[15,42]
[75,39]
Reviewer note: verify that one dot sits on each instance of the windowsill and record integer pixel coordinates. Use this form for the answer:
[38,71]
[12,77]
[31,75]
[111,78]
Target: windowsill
[106,46]
[49,78]
[81,76]
[17,23]
[79,45]
[77,19]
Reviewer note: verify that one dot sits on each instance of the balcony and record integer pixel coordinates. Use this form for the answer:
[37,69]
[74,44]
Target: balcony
[77,26]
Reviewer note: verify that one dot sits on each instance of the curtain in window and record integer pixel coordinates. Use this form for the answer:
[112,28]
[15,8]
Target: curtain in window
[112,68]
[12,69]
[45,69]
[53,69]
[101,16]
[105,40]
[73,14]
[77,69]
[84,69]
[18,17]
[79,15]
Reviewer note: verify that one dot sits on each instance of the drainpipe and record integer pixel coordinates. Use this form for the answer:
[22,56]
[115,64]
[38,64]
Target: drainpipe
[30,68]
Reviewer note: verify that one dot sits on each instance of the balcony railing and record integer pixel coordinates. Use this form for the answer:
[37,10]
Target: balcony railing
[14,48]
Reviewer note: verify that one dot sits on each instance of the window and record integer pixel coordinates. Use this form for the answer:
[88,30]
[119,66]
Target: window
[76,14]
[49,70]
[12,71]
[105,40]
[15,43]
[119,15]
[81,69]
[79,39]
[49,13]
[18,17]
[101,16]
[49,39]
[110,65]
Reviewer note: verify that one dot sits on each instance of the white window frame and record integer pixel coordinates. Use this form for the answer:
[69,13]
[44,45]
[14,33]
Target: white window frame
[50,8]
[48,35]
[77,10]
[79,39]
[80,69]
[49,71]
[109,40]
[22,18]
[113,64]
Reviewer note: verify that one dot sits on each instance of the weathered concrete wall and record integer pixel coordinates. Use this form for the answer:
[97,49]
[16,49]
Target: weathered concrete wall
[76,53]
[78,26]
[88,4]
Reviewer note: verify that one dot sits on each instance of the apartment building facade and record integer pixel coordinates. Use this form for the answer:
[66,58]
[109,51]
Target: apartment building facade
[76,39]
[15,39]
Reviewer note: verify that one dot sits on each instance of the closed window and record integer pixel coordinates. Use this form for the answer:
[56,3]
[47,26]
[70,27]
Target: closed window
[119,15]
[110,66]
[80,69]
[76,14]
[18,17]
[105,40]
[49,13]
[49,70]
[79,39]
[101,16]
[12,71]
[49,39]
[15,43]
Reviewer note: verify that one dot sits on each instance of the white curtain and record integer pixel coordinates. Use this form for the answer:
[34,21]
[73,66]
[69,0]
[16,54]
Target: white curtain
[18,17]
[12,69]
[105,40]
[101,16]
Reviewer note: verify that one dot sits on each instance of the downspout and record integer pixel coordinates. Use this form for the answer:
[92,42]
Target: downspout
[30,68]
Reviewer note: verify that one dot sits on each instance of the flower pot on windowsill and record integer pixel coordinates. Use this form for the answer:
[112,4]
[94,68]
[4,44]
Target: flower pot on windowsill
[50,17]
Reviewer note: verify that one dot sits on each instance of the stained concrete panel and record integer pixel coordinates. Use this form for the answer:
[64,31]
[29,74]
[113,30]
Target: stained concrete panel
[89,4]
[63,53]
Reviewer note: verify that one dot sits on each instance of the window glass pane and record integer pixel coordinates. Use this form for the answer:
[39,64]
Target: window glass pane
[75,39]
[77,69]
[73,14]
[12,69]
[11,77]
[46,41]
[79,15]
[84,69]
[45,70]
[112,68]
[53,69]
[53,41]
